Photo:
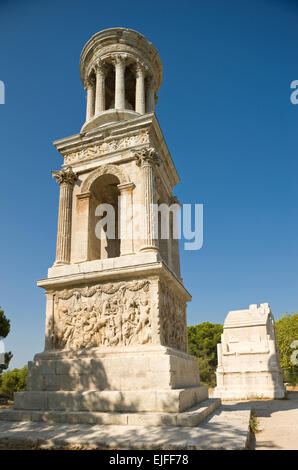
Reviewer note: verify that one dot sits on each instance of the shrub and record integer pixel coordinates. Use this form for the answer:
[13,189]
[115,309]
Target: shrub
[13,381]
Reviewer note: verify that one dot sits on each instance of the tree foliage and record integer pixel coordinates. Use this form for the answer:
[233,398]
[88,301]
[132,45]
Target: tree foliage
[287,332]
[202,343]
[4,330]
[13,381]
[5,363]
[4,325]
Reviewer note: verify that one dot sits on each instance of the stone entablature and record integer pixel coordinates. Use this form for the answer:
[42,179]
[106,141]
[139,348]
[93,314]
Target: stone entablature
[117,141]
[110,145]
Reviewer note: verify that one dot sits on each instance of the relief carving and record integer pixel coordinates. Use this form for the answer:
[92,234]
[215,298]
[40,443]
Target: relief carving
[172,322]
[102,315]
[97,150]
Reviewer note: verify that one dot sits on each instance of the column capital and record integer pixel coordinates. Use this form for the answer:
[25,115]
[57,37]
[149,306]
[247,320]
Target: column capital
[147,156]
[100,67]
[140,68]
[89,83]
[174,200]
[66,175]
[120,59]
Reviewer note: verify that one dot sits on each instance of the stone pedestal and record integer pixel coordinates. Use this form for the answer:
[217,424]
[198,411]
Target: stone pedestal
[248,358]
[115,348]
[133,380]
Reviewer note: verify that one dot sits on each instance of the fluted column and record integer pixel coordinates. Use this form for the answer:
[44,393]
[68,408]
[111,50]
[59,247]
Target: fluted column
[174,240]
[120,81]
[65,179]
[89,87]
[150,100]
[140,89]
[147,159]
[100,88]
[170,241]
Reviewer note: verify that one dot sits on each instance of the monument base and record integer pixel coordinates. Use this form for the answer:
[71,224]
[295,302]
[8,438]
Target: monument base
[151,385]
[251,393]
[189,418]
[113,369]
[250,385]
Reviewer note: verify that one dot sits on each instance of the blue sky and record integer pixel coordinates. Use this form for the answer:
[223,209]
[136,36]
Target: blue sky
[225,110]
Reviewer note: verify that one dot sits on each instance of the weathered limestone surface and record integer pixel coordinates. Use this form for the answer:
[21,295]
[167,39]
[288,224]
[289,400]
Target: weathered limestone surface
[115,335]
[226,429]
[191,417]
[95,369]
[248,358]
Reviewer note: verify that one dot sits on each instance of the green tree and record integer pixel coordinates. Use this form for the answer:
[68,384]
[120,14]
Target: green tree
[202,343]
[4,324]
[287,332]
[13,381]
[4,330]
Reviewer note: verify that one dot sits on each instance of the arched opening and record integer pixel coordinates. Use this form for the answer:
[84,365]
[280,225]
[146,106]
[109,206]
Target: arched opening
[104,241]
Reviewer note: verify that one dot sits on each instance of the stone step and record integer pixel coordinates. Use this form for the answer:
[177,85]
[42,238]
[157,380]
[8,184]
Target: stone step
[167,401]
[191,417]
[225,429]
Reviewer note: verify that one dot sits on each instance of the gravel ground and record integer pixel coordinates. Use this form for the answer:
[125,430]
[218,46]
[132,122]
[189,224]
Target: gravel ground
[277,422]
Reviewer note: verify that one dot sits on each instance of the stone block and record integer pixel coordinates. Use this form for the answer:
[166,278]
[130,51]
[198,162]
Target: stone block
[30,401]
[152,419]
[248,357]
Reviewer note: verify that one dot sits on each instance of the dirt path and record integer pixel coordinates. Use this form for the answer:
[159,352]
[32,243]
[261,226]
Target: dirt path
[277,422]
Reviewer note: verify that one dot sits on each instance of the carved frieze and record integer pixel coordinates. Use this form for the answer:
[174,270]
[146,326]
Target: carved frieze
[108,146]
[172,319]
[102,315]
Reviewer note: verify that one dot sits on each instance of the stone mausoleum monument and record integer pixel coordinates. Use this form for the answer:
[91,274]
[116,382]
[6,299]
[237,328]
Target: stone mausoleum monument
[116,337]
[248,358]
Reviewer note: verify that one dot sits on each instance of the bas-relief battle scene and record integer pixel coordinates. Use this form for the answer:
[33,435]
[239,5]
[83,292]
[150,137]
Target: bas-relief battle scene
[119,314]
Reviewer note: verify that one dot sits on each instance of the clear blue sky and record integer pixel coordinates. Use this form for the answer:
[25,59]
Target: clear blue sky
[225,110]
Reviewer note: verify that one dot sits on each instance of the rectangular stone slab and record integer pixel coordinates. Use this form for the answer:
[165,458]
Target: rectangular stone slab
[190,417]
[130,368]
[171,401]
[227,429]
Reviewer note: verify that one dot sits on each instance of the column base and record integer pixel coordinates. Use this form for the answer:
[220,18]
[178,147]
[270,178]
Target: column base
[60,263]
[148,248]
[108,116]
